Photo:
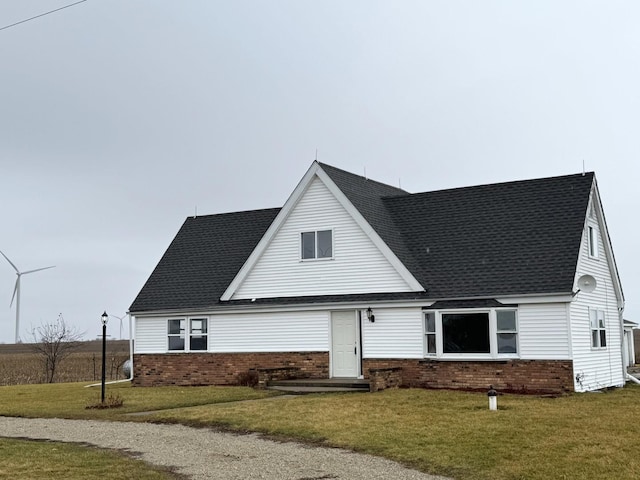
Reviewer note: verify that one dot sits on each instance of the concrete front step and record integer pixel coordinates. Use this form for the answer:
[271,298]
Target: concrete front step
[303,390]
[320,385]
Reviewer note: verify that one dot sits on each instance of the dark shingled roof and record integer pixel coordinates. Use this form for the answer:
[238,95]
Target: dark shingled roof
[503,239]
[202,260]
[513,238]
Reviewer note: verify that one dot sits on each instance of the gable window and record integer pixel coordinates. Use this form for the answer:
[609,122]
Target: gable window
[598,329]
[491,333]
[593,242]
[317,244]
[193,340]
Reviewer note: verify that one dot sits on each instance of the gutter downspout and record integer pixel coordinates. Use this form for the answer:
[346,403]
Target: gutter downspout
[621,319]
[633,379]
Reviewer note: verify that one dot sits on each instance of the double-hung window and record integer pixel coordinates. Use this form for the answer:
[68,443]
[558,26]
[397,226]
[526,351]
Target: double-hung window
[188,334]
[506,331]
[598,329]
[430,334]
[316,245]
[480,334]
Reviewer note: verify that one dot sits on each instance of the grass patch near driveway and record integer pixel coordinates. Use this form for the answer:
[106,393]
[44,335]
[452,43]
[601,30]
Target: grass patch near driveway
[69,400]
[586,436]
[47,460]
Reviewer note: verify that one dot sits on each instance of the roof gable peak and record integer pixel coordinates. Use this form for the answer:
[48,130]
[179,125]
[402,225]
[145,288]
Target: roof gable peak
[317,171]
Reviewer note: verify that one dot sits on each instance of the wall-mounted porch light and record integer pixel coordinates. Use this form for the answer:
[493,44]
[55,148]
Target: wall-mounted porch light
[370,316]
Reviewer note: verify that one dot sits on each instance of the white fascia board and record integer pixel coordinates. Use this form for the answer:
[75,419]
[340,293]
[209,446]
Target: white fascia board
[277,223]
[391,257]
[606,240]
[307,307]
[535,298]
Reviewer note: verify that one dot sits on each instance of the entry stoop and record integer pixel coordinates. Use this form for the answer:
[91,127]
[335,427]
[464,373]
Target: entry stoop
[320,385]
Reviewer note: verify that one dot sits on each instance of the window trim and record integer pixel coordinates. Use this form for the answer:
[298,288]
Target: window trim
[315,232]
[188,334]
[594,312]
[493,335]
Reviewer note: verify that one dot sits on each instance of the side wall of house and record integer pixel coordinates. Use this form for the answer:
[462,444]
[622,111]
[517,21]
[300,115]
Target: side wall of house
[357,265]
[596,368]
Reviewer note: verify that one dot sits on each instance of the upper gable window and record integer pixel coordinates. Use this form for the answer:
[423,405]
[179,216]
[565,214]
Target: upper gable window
[592,234]
[318,244]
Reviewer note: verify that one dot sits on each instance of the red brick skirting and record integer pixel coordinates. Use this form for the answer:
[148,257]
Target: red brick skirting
[522,376]
[220,368]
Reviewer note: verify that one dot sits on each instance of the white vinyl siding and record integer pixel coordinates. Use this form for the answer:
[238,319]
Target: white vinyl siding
[596,367]
[543,331]
[270,332]
[357,265]
[150,335]
[396,333]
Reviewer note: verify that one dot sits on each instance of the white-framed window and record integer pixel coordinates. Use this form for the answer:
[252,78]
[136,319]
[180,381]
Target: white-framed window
[471,333]
[506,331]
[598,328]
[194,339]
[430,334]
[317,244]
[592,238]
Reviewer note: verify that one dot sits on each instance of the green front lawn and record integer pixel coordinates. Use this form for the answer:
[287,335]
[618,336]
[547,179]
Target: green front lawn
[580,436]
[49,460]
[68,400]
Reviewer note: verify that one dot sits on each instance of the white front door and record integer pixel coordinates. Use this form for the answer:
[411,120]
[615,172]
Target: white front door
[344,344]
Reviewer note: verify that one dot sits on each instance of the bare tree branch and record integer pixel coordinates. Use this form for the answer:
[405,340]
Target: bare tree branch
[54,342]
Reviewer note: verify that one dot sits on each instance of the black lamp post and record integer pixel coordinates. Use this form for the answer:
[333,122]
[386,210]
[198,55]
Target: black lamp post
[105,318]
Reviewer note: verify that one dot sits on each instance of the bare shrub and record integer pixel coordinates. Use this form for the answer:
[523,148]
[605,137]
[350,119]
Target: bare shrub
[110,401]
[54,342]
[248,378]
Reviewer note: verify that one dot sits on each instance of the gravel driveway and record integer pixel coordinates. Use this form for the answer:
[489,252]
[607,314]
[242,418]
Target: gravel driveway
[208,454]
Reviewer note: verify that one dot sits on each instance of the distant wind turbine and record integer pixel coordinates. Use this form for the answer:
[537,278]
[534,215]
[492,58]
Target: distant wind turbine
[119,318]
[16,292]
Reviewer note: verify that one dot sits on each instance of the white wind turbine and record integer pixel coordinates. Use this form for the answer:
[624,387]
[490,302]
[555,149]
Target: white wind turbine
[16,292]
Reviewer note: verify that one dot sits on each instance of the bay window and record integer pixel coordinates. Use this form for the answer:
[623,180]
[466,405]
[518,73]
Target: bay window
[481,334]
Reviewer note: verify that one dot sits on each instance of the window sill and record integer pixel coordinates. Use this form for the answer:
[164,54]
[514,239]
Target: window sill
[311,260]
[502,358]
[187,351]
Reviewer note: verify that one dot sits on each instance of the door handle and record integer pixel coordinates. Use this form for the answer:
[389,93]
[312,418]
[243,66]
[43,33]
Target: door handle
[355,351]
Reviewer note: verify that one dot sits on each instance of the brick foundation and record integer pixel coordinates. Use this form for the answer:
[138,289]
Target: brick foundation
[220,368]
[521,376]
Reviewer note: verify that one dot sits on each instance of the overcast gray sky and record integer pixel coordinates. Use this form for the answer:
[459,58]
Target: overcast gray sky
[119,117]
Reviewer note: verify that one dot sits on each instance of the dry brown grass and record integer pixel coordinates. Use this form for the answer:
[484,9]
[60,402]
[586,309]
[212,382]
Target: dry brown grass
[27,368]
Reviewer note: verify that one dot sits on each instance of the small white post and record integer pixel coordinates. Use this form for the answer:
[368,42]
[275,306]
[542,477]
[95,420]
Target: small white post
[493,398]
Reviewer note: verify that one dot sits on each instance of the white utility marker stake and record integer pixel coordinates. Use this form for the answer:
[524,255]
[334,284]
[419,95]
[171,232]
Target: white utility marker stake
[493,398]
